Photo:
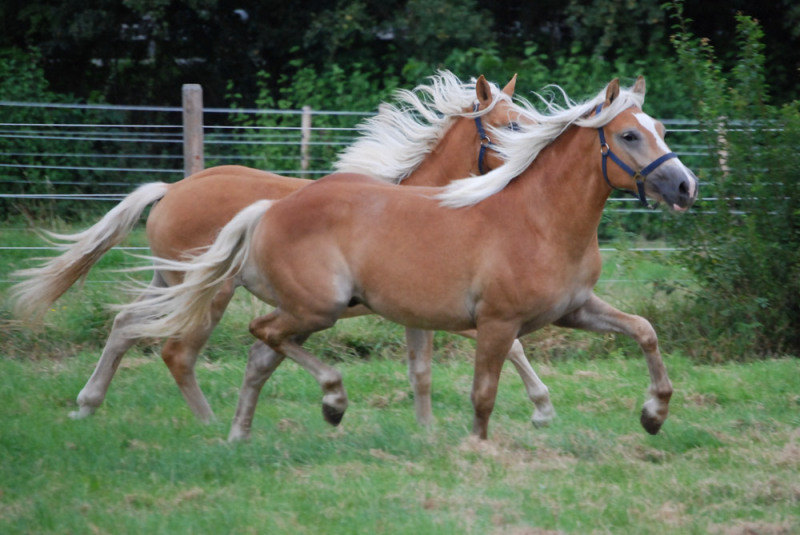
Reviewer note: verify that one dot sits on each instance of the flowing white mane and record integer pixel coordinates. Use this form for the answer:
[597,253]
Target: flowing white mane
[520,147]
[394,142]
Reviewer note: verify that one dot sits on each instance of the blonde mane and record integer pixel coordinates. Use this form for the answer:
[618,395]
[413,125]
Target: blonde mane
[519,148]
[394,142]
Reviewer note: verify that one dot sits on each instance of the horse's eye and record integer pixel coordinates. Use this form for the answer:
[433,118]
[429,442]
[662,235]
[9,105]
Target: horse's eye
[629,137]
[513,125]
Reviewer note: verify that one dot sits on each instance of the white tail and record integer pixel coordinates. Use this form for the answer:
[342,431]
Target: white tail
[172,311]
[46,283]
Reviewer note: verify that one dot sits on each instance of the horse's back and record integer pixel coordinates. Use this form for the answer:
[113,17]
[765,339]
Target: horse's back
[194,209]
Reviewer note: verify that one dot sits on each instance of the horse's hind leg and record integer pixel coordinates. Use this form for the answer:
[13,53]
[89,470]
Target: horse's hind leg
[180,356]
[94,392]
[538,392]
[420,355]
[261,362]
[285,333]
[598,316]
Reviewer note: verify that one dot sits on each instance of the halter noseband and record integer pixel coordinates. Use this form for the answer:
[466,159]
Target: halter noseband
[486,141]
[638,176]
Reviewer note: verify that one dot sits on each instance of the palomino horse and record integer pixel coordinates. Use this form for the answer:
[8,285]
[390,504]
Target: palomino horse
[435,134]
[505,253]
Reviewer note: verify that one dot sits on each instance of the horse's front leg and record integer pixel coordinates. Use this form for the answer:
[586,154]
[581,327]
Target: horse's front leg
[494,340]
[598,316]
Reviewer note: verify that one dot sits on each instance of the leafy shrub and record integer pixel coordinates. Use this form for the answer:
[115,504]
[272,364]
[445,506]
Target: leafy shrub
[743,240]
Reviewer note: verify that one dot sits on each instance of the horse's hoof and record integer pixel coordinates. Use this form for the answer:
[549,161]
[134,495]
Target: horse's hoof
[332,415]
[81,413]
[650,424]
[539,423]
[542,418]
[238,435]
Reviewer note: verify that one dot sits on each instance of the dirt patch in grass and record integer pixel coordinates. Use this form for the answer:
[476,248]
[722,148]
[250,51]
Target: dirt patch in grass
[507,452]
[382,401]
[671,514]
[753,528]
[702,400]
[789,456]
[524,530]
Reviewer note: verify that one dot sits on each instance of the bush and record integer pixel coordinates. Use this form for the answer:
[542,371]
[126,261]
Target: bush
[743,240]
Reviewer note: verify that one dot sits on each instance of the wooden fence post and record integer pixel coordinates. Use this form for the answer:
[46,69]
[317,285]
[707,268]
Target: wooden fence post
[305,137]
[192,129]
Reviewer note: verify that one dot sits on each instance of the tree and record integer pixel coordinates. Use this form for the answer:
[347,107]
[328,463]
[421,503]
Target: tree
[138,51]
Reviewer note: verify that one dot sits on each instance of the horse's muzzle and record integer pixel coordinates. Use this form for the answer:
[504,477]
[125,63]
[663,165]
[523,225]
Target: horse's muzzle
[674,184]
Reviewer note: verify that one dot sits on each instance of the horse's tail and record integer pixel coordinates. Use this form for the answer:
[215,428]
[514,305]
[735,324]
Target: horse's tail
[173,311]
[42,285]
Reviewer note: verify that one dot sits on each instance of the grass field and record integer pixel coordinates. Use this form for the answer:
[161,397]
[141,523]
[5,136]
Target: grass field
[727,460]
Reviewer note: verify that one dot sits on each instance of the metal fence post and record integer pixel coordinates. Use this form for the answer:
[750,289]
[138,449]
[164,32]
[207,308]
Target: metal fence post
[192,129]
[305,137]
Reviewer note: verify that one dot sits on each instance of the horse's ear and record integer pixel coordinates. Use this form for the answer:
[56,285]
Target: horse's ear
[509,88]
[639,86]
[612,91]
[483,91]
[661,129]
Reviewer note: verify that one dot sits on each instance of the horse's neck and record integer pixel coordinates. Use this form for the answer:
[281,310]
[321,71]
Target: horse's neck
[453,157]
[563,190]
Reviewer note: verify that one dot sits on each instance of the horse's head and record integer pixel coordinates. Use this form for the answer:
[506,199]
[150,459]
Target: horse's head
[636,158]
[503,113]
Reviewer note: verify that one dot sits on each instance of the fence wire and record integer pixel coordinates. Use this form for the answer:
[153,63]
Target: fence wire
[69,158]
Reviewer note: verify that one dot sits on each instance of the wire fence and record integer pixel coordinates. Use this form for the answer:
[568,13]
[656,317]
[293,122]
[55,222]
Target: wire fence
[68,160]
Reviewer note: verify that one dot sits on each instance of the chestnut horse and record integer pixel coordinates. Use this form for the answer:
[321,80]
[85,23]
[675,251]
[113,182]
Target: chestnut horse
[434,134]
[505,253]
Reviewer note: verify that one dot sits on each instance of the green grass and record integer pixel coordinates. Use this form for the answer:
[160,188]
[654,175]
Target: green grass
[728,455]
[726,461]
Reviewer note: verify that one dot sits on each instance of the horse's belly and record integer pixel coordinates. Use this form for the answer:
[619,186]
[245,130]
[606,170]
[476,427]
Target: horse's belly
[566,302]
[445,319]
[422,305]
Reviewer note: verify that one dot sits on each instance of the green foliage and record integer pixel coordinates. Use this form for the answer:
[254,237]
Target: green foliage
[425,30]
[139,51]
[606,25]
[22,78]
[743,242]
[432,27]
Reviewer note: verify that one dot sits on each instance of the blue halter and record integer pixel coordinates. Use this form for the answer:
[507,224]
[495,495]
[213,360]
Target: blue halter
[638,176]
[486,141]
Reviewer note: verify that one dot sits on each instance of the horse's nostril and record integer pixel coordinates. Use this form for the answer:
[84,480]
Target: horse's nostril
[684,187]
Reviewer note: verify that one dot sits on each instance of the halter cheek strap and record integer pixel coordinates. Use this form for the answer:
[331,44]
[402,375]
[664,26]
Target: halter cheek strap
[639,177]
[486,141]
